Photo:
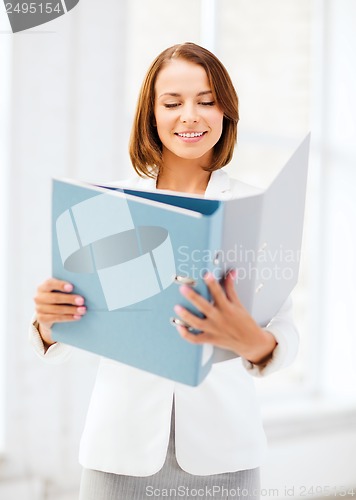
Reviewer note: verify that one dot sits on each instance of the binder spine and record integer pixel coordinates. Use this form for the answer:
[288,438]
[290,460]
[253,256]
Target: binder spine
[214,266]
[210,257]
[215,243]
[210,261]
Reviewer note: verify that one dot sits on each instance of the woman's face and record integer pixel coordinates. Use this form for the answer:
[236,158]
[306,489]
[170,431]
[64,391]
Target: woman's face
[189,122]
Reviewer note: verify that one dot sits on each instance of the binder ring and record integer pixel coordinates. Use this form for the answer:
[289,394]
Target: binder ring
[180,322]
[184,280]
[263,247]
[217,258]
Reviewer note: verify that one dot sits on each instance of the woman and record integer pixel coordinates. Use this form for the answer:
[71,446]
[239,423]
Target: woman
[184,131]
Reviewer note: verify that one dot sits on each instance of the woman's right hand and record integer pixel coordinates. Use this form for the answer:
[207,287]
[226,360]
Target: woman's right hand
[55,303]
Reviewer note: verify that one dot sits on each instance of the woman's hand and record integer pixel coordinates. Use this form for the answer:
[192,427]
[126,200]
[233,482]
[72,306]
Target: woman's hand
[55,303]
[227,324]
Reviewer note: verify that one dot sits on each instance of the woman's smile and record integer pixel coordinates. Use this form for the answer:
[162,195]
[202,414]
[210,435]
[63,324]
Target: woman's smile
[190,137]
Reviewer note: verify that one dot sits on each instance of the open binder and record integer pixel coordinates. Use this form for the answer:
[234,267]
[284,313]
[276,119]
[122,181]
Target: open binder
[126,251]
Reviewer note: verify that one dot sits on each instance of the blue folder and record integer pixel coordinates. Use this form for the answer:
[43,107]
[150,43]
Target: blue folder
[126,251]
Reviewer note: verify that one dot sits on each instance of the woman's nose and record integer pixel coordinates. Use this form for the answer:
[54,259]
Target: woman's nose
[189,114]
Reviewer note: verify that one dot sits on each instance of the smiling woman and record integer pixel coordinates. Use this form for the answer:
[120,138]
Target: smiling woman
[184,132]
[187,90]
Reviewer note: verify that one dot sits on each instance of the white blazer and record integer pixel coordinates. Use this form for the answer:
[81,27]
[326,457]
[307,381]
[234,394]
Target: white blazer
[218,425]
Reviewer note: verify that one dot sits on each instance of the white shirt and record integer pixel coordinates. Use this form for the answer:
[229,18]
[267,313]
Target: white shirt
[218,426]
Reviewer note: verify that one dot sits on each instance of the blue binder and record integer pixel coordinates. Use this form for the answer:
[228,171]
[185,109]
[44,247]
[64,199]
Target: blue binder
[126,251]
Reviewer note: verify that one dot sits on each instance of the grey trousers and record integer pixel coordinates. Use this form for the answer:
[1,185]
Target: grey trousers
[170,482]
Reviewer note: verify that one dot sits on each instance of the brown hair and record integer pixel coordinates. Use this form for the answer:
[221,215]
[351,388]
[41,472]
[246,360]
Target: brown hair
[145,145]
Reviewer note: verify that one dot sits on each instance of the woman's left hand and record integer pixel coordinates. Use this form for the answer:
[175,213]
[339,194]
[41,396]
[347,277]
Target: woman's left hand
[227,324]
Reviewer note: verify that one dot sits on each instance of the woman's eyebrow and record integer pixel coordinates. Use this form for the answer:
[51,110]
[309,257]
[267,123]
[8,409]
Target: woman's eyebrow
[175,94]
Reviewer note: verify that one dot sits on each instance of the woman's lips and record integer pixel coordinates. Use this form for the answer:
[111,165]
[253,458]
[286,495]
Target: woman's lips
[190,136]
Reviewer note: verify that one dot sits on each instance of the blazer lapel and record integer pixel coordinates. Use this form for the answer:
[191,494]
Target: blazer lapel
[219,185]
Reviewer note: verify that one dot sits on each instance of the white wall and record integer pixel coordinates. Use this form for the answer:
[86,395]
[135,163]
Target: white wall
[67,119]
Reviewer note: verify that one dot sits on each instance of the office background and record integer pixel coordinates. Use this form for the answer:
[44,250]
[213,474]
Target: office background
[67,97]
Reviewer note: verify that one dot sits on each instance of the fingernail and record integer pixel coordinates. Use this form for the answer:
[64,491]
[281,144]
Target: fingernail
[233,273]
[208,277]
[79,301]
[185,290]
[81,310]
[68,287]
[178,309]
[77,317]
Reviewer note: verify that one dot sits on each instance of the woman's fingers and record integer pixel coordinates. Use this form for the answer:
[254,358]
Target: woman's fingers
[48,320]
[58,298]
[53,284]
[194,321]
[194,338]
[55,303]
[217,293]
[229,285]
[47,314]
[197,300]
[57,292]
[221,296]
[60,309]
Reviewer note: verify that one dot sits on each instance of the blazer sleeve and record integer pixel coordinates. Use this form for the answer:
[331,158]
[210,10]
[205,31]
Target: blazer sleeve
[285,332]
[55,354]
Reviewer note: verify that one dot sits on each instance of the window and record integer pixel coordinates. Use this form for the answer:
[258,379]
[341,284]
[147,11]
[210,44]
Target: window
[270,65]
[294,74]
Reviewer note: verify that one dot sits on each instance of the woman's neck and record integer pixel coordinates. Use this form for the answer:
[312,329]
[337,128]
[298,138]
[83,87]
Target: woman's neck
[183,175]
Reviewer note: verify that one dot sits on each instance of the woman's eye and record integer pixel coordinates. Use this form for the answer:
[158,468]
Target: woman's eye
[177,104]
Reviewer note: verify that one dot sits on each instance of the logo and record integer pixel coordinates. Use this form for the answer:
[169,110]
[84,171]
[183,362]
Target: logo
[98,236]
[26,15]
